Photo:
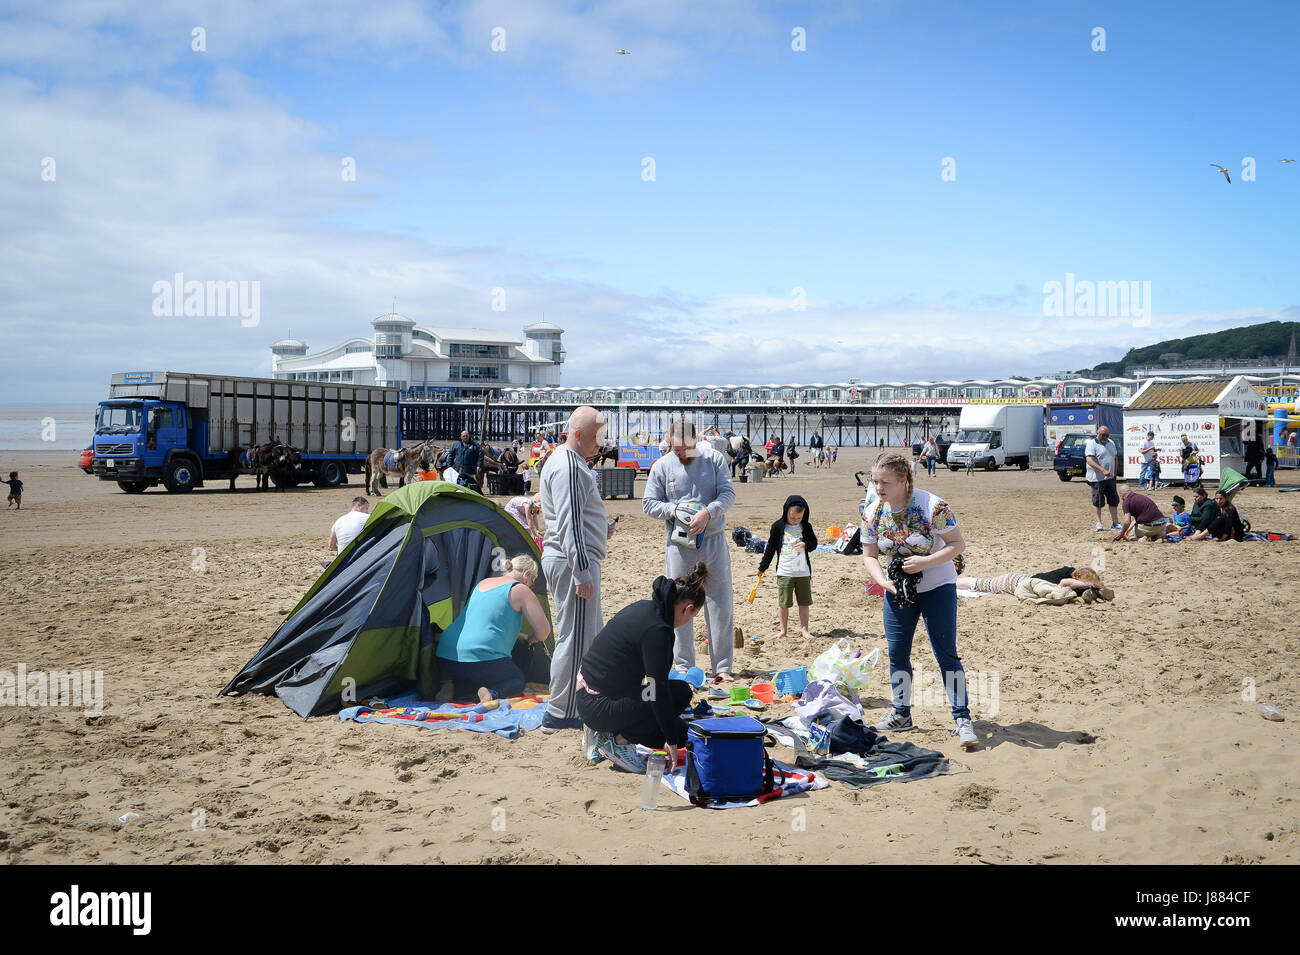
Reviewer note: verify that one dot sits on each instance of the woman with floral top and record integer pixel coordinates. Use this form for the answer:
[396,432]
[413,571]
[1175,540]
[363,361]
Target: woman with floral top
[916,532]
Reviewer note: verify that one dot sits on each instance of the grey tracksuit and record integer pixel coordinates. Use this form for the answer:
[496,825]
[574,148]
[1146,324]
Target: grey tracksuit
[572,549]
[706,481]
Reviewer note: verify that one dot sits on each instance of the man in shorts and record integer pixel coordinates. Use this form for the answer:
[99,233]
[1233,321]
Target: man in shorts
[1101,454]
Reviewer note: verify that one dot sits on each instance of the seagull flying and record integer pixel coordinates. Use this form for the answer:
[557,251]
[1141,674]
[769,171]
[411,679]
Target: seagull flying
[623,52]
[1286,160]
[1222,170]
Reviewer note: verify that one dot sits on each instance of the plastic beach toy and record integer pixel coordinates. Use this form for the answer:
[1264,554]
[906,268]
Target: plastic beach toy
[739,694]
[764,692]
[694,676]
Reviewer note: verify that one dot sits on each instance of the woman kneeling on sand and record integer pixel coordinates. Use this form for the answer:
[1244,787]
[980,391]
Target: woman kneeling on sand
[475,651]
[1062,585]
[625,694]
[918,537]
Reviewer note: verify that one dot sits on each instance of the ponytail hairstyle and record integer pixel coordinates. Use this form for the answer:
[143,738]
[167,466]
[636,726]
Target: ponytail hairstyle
[899,465]
[522,564]
[690,587]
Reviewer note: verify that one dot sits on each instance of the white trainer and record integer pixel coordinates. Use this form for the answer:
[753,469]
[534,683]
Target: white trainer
[965,733]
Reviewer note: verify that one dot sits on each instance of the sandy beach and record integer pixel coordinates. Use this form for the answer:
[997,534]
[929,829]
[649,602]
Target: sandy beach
[1133,708]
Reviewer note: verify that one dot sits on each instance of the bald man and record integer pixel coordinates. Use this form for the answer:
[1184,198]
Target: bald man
[572,549]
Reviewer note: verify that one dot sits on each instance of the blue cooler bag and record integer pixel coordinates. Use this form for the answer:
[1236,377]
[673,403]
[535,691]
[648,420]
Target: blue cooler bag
[726,761]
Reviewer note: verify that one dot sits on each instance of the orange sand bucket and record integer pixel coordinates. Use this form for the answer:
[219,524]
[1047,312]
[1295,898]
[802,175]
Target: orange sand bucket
[833,530]
[428,475]
[763,692]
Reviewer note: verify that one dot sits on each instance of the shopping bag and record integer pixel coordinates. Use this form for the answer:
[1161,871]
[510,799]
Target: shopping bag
[837,665]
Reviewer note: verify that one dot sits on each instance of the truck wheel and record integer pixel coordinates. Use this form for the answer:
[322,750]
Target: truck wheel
[1024,465]
[330,475]
[1063,475]
[133,487]
[990,465]
[953,467]
[181,476]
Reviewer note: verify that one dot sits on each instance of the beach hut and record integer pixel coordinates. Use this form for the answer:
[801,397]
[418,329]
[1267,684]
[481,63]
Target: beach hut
[370,623]
[1216,414]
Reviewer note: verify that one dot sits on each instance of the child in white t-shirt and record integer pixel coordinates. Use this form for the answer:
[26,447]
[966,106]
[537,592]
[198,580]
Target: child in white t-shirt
[792,538]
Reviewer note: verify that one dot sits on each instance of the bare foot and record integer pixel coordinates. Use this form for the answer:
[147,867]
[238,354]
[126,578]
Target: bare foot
[807,635]
[781,636]
[485,697]
[445,692]
[723,677]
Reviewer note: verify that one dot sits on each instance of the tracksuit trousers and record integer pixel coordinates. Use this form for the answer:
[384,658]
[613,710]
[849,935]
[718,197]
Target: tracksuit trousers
[719,610]
[577,622]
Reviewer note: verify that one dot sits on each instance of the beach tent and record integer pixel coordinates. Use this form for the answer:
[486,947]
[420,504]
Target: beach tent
[369,625]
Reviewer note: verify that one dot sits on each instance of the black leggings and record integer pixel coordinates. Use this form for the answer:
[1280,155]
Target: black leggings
[631,717]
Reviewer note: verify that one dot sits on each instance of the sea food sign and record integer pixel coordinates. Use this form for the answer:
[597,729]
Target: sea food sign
[1201,427]
[1242,401]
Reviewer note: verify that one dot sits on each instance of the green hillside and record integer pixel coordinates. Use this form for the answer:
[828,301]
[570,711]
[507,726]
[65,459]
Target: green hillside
[1266,340]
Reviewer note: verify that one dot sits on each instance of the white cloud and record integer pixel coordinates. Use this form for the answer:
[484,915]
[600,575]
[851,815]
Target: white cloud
[237,187]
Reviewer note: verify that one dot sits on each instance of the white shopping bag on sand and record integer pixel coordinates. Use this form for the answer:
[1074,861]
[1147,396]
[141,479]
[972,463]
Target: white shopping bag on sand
[835,664]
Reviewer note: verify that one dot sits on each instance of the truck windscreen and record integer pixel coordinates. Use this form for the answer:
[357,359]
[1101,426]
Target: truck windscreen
[975,437]
[119,419]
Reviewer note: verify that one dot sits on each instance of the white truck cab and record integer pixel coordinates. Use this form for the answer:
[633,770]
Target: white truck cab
[996,435]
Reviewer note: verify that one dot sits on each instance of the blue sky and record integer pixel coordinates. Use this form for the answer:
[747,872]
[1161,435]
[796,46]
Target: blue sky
[522,169]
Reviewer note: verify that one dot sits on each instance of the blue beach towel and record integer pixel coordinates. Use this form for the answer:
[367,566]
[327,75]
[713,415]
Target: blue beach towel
[503,721]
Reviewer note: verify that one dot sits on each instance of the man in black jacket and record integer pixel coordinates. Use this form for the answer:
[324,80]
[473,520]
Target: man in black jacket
[793,539]
[467,458]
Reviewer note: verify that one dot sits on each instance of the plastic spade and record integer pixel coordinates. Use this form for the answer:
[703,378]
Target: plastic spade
[754,593]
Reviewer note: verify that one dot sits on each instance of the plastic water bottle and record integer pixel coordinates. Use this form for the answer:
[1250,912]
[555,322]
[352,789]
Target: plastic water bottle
[654,774]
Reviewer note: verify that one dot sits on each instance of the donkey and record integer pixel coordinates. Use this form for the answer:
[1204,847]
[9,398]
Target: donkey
[382,463]
[739,450]
[256,460]
[286,462]
[605,452]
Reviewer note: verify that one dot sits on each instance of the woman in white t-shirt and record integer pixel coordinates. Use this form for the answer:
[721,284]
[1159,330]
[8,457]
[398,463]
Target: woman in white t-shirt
[912,532]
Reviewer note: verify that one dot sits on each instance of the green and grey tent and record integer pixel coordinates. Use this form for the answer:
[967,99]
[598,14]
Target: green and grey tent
[370,624]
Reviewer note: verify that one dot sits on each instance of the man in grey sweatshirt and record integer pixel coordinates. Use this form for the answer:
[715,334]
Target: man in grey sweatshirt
[572,549]
[690,475]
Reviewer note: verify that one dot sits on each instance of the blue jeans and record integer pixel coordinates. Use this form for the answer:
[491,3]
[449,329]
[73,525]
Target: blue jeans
[939,608]
[1146,476]
[501,676]
[929,465]
[1268,480]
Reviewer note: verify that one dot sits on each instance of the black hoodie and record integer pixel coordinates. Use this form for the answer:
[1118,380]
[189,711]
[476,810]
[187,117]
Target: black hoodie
[635,644]
[777,535]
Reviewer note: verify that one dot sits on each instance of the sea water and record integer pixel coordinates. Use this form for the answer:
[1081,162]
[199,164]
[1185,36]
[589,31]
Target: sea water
[35,429]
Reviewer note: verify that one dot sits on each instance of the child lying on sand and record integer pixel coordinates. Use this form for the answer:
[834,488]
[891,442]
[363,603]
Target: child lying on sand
[1063,585]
